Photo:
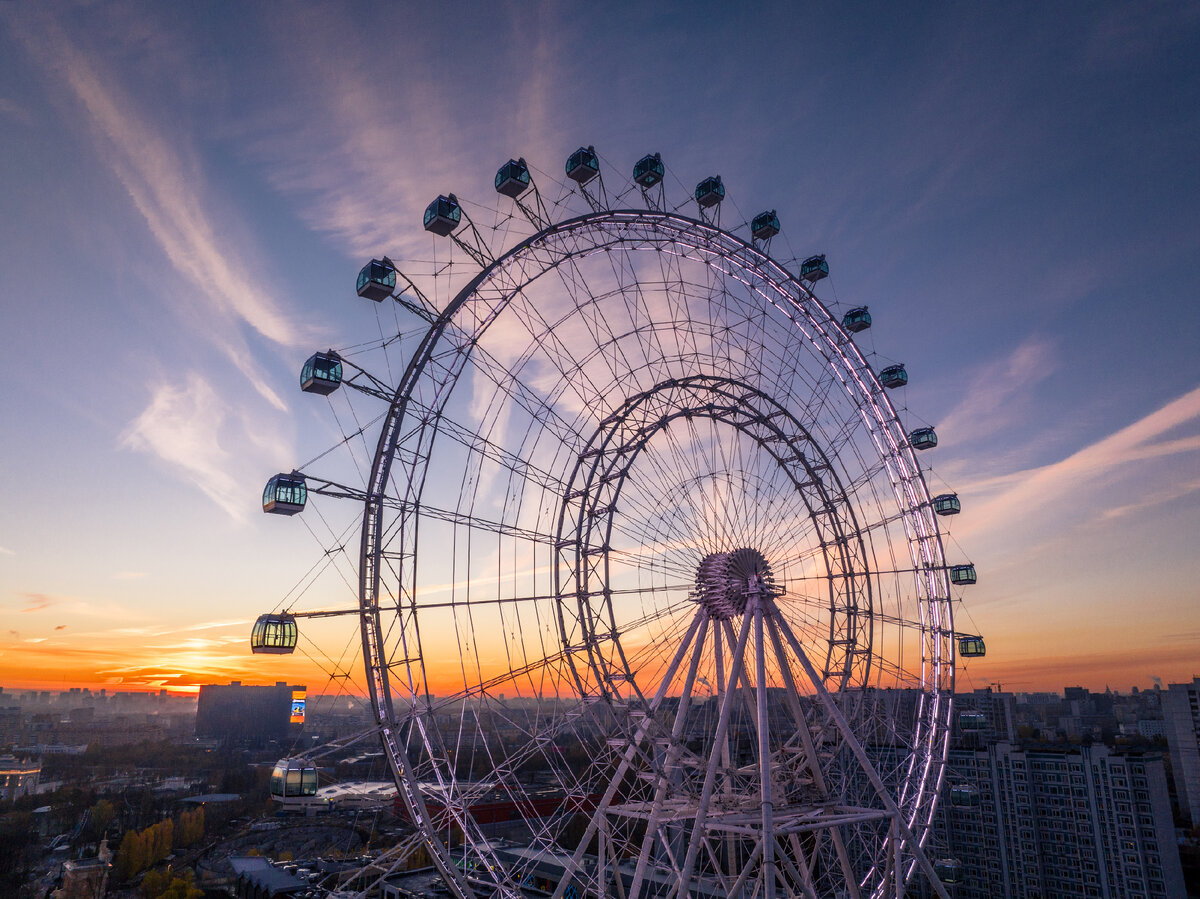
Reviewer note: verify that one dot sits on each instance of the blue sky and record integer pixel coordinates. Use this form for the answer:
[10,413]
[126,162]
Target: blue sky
[189,191]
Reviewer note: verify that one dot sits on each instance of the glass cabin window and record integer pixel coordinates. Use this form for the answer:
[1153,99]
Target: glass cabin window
[972,647]
[947,504]
[963,574]
[856,320]
[893,376]
[376,280]
[308,785]
[923,438]
[710,191]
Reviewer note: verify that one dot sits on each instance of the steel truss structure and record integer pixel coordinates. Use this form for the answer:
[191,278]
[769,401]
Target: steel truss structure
[649,565]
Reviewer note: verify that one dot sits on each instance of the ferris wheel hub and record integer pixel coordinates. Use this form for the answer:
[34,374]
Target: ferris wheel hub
[726,581]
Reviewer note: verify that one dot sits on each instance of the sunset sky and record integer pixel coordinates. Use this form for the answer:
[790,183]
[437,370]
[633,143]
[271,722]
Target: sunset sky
[189,190]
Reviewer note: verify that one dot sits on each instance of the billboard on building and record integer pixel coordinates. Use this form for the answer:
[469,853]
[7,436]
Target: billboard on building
[297,707]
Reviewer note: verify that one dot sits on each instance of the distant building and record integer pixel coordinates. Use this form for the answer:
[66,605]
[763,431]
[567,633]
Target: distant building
[235,713]
[1151,728]
[85,878]
[1181,710]
[256,878]
[18,778]
[1080,823]
[999,721]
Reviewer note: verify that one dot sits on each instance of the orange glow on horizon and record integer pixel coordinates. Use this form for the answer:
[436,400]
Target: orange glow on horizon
[34,667]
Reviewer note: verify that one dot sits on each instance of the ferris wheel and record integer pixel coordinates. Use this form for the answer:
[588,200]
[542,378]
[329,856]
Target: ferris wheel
[652,590]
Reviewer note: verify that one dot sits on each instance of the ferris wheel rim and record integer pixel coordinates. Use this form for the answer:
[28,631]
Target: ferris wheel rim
[379,667]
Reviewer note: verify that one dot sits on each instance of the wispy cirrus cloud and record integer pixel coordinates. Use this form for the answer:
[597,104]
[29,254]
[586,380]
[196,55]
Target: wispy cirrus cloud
[376,139]
[38,601]
[183,426]
[168,187]
[1009,498]
[998,391]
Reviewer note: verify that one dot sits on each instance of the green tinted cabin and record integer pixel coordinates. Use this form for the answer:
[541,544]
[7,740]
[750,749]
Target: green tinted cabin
[649,171]
[710,192]
[962,574]
[443,215]
[893,376]
[512,179]
[947,504]
[293,778]
[923,438]
[322,373]
[285,494]
[964,796]
[857,319]
[948,870]
[765,225]
[971,646]
[274,633]
[583,165]
[377,280]
[813,269]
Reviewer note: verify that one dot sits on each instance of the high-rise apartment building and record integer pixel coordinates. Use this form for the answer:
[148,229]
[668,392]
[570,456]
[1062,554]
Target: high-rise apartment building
[1181,711]
[1083,822]
[249,714]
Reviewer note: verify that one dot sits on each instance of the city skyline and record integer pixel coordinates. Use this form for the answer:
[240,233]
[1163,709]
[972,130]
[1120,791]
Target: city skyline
[191,196]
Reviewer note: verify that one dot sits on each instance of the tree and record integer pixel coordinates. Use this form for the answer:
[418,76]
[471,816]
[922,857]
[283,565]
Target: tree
[99,817]
[131,857]
[183,888]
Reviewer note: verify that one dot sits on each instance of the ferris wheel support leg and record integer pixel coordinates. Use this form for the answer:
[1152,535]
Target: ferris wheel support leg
[764,753]
[710,773]
[810,751]
[627,756]
[753,703]
[653,825]
[860,754]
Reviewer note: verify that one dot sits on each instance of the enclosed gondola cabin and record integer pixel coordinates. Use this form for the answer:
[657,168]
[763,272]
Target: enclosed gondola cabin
[377,280]
[274,633]
[710,192]
[322,373]
[813,269]
[857,319]
[893,376]
[583,165]
[512,179]
[971,646]
[964,796]
[293,778]
[649,171]
[765,225]
[948,870]
[285,494]
[947,504]
[962,574]
[923,438]
[443,215]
